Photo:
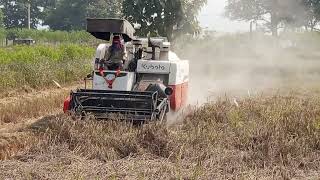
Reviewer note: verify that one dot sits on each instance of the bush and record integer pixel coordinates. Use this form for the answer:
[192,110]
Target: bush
[45,36]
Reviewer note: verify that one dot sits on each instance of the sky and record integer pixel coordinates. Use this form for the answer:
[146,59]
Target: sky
[212,17]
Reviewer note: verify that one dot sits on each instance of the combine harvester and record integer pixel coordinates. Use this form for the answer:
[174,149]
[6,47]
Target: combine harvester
[152,82]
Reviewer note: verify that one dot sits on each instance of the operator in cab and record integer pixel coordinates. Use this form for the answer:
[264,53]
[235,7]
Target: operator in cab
[115,55]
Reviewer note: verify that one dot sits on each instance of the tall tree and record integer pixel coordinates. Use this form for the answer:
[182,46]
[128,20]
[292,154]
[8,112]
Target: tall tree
[272,12]
[312,13]
[163,17]
[67,15]
[1,19]
[104,8]
[72,14]
[15,13]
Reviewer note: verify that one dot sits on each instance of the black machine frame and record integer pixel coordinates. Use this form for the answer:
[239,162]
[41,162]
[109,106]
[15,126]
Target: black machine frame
[124,105]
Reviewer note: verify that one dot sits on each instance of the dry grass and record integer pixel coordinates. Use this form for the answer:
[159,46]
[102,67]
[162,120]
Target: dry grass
[18,108]
[267,137]
[13,143]
[30,108]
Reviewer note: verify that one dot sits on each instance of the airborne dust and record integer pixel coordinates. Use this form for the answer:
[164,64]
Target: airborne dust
[243,65]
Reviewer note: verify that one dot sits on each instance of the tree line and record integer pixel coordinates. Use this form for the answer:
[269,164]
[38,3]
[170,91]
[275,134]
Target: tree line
[156,17]
[275,14]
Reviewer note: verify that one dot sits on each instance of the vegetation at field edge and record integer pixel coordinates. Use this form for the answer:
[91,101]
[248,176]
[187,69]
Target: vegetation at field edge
[37,66]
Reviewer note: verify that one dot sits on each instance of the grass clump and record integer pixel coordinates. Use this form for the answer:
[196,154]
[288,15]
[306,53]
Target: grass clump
[270,131]
[105,141]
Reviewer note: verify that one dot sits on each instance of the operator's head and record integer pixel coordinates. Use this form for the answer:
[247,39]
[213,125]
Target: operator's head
[116,39]
[116,42]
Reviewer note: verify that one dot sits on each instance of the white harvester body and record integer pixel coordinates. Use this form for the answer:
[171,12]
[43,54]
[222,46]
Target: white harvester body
[147,87]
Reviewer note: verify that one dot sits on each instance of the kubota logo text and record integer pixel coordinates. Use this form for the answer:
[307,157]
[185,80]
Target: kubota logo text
[153,67]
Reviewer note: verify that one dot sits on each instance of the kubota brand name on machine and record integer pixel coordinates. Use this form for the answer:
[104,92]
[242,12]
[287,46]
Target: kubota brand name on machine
[153,67]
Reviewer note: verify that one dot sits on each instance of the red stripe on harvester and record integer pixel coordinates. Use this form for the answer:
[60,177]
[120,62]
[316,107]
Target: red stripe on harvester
[66,105]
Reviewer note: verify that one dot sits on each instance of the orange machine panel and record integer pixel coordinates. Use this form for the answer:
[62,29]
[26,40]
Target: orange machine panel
[179,97]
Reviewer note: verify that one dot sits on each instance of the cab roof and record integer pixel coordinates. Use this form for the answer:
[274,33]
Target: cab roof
[104,28]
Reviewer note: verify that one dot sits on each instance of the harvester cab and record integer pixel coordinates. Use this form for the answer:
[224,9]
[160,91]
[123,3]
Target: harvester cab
[151,82]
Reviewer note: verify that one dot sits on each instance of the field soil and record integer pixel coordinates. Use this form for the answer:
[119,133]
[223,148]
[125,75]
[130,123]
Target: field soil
[253,116]
[264,137]
[20,109]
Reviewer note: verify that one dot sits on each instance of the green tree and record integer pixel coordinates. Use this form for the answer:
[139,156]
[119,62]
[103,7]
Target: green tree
[312,13]
[67,15]
[163,17]
[72,14]
[1,19]
[104,9]
[15,12]
[272,12]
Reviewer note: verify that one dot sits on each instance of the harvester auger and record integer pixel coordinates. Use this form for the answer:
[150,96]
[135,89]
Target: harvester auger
[152,81]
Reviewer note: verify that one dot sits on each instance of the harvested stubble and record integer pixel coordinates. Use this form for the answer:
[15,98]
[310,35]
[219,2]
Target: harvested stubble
[25,107]
[274,137]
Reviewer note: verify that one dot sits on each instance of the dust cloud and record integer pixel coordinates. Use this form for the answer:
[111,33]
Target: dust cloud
[242,65]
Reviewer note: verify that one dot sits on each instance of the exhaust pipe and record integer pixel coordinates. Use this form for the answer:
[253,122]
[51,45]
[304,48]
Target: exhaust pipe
[162,90]
[167,90]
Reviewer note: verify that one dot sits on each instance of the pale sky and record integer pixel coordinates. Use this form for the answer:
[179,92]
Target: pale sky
[213,18]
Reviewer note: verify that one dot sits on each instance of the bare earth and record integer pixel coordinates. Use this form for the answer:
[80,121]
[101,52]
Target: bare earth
[262,123]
